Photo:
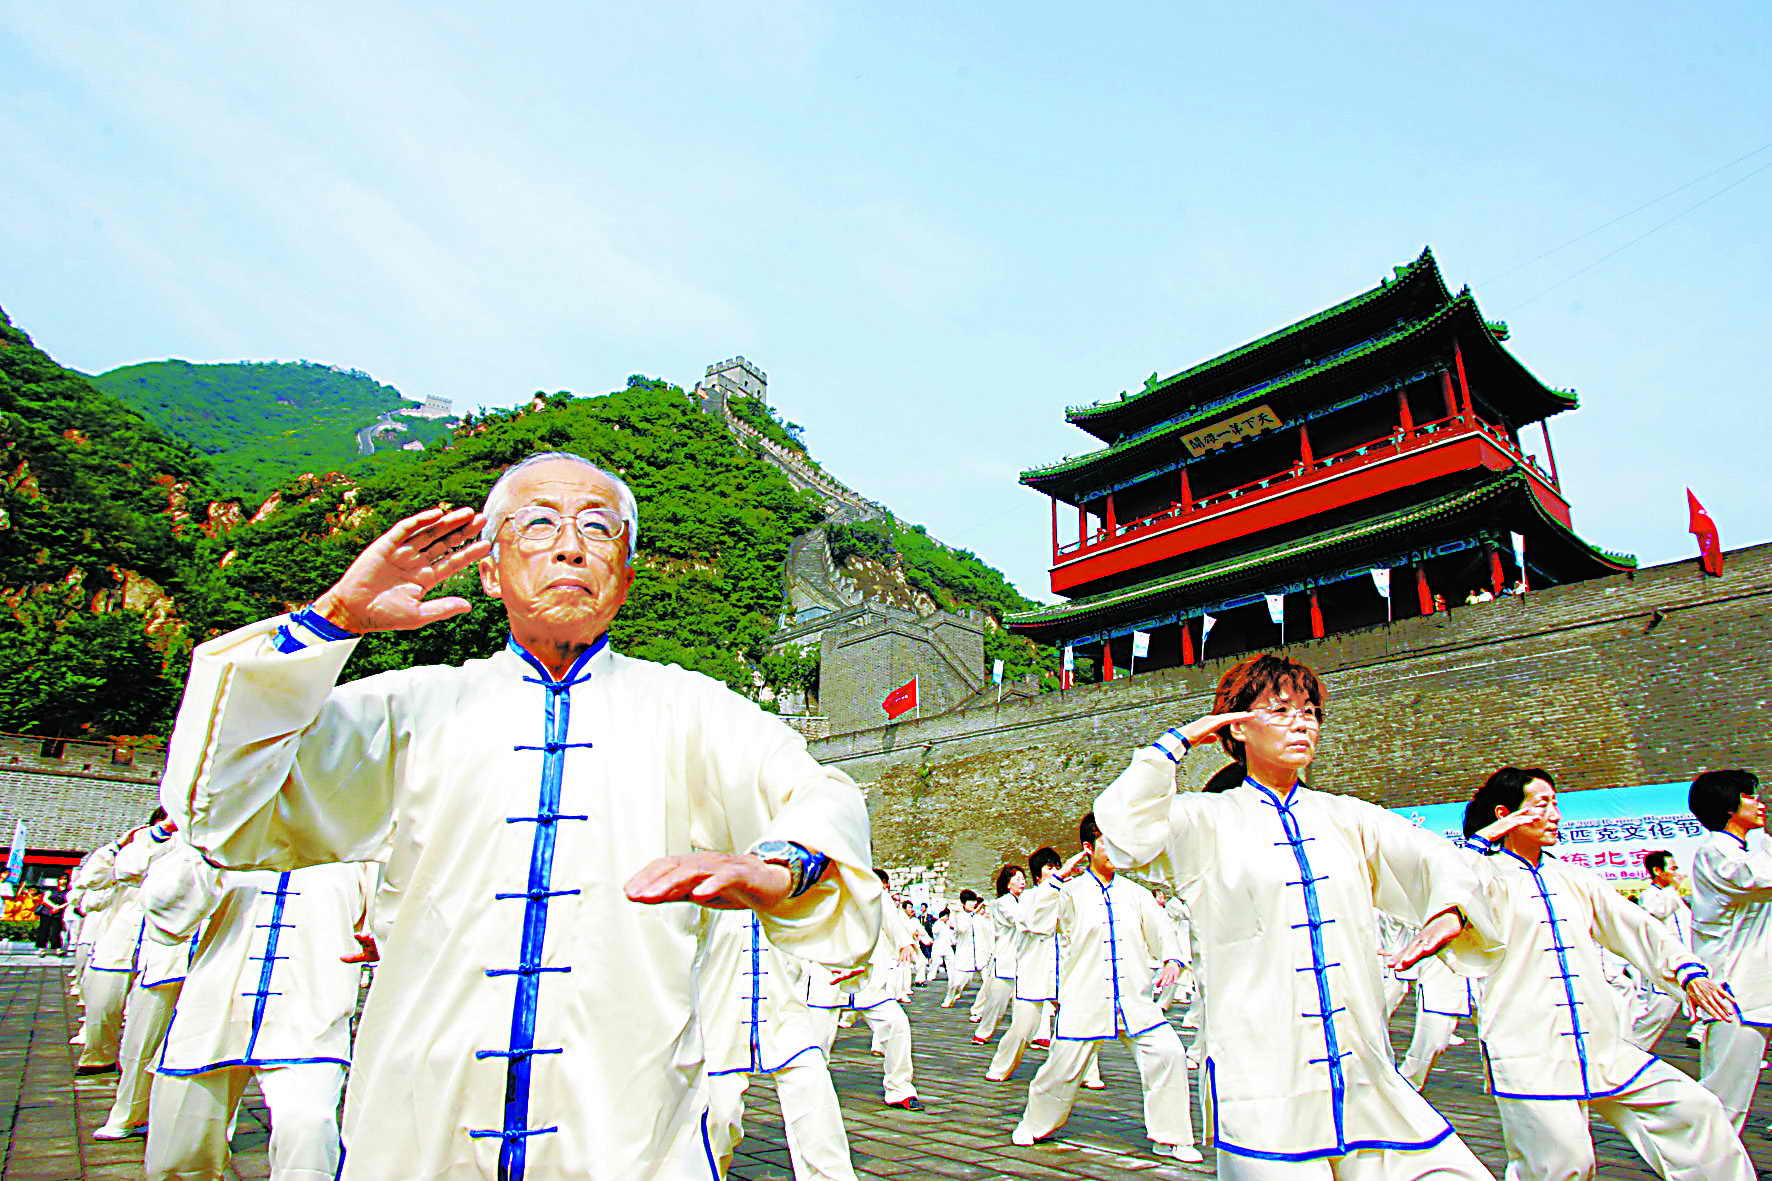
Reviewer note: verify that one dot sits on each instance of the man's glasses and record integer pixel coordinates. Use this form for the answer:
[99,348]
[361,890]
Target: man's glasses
[536,522]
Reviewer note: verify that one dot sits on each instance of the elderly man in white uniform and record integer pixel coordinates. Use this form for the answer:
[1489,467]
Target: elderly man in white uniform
[1282,882]
[1732,930]
[1116,941]
[1553,1029]
[755,1022]
[268,995]
[534,806]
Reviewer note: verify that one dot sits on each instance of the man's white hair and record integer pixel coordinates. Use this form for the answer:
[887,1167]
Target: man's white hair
[496,510]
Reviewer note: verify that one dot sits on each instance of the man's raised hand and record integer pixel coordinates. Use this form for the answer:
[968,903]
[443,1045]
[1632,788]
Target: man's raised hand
[385,588]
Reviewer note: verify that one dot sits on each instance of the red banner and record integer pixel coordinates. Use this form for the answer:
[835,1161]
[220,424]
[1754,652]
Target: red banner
[1710,544]
[901,699]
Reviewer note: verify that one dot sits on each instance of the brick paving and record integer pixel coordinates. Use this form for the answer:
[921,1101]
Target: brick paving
[47,1117]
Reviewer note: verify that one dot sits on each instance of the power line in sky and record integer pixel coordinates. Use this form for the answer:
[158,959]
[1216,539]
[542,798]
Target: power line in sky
[1651,230]
[1586,234]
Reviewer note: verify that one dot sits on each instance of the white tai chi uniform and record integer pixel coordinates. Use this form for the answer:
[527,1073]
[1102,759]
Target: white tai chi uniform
[267,995]
[557,1036]
[970,955]
[1553,1030]
[870,994]
[111,968]
[1442,997]
[1008,934]
[159,975]
[1655,1008]
[984,936]
[1115,940]
[755,1023]
[1283,890]
[1036,988]
[89,907]
[1732,932]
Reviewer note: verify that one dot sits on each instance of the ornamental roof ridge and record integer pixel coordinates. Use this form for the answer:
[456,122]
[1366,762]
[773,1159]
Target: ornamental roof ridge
[1503,484]
[1423,263]
[1461,301]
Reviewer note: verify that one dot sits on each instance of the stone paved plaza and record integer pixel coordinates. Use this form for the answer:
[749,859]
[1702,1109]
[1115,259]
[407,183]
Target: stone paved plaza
[48,1118]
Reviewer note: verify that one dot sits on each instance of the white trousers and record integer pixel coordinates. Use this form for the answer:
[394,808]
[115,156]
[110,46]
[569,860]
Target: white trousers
[1162,1069]
[892,1030]
[1449,1160]
[958,982]
[1729,1065]
[189,1117]
[1675,1125]
[1394,991]
[817,1145]
[1651,1014]
[993,1001]
[1433,1033]
[1029,1021]
[106,993]
[145,1020]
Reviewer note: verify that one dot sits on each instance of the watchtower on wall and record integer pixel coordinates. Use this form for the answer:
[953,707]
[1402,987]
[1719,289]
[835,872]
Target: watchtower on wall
[1373,449]
[734,377]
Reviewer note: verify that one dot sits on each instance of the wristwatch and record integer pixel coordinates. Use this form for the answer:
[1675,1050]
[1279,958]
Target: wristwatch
[804,866]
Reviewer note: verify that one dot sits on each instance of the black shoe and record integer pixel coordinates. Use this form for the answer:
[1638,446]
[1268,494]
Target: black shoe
[85,1070]
[1691,1043]
[911,1104]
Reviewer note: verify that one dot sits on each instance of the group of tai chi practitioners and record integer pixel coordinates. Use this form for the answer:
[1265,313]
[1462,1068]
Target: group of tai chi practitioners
[505,839]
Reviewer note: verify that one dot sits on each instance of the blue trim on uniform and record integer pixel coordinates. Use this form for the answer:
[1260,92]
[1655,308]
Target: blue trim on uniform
[1545,894]
[707,1148]
[276,926]
[1164,748]
[520,1054]
[1107,899]
[1478,843]
[1310,1154]
[262,1062]
[1319,965]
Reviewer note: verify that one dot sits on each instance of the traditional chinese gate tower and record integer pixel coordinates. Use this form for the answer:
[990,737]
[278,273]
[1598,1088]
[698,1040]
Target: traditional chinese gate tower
[1383,433]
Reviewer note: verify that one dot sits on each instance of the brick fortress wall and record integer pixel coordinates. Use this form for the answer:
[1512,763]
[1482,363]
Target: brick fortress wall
[1646,677]
[75,801]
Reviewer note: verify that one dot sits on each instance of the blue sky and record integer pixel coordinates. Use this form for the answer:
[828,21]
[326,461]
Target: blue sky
[933,225]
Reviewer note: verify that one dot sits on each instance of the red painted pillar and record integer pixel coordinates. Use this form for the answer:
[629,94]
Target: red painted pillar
[1113,526]
[1054,501]
[1187,494]
[1421,591]
[1082,524]
[1316,616]
[1404,419]
[1107,660]
[1446,392]
[1187,642]
[1464,385]
[1497,580]
[1544,425]
[1304,446]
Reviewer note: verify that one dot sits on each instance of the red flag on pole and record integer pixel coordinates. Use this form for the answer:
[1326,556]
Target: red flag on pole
[901,700]
[1710,545]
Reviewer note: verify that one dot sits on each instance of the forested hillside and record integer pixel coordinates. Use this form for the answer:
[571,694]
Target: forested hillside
[260,422]
[121,547]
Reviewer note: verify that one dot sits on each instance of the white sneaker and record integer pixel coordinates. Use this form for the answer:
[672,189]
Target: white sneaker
[1185,1153]
[1021,1137]
[113,1132]
[1456,1041]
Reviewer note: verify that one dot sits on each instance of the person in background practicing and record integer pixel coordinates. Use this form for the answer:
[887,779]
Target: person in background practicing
[1732,930]
[1115,940]
[869,991]
[1284,884]
[1654,1008]
[755,1022]
[1009,935]
[970,954]
[1553,1029]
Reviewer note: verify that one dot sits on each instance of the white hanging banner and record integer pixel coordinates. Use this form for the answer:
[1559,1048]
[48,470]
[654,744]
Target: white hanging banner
[1276,608]
[1206,622]
[1519,540]
[996,672]
[1141,644]
[1381,578]
[1070,659]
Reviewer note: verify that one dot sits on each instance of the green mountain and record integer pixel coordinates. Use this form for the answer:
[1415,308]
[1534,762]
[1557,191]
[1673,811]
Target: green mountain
[262,422]
[121,548]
